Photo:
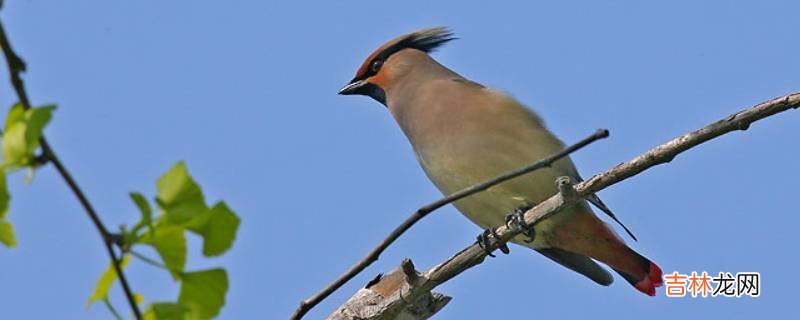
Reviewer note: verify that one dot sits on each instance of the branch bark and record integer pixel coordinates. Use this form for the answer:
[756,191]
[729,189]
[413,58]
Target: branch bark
[16,66]
[385,298]
[408,296]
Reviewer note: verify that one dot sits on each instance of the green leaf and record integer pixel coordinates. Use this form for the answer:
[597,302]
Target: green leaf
[145,210]
[170,243]
[179,196]
[22,132]
[144,206]
[218,228]
[5,197]
[204,292]
[37,118]
[16,114]
[202,296]
[166,311]
[105,281]
[15,148]
[7,234]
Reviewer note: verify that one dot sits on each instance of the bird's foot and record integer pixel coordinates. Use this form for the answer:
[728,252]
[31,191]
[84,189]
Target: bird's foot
[516,221]
[485,240]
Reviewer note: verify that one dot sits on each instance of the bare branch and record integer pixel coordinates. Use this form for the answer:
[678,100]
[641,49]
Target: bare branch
[309,303]
[386,298]
[15,67]
[569,195]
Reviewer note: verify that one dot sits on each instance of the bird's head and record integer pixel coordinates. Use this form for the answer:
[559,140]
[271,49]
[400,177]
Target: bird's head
[384,66]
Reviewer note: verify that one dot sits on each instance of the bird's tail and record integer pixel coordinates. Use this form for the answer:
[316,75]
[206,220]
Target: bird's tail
[648,276]
[587,235]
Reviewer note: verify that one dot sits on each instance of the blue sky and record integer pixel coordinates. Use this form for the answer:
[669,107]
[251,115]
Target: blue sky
[245,92]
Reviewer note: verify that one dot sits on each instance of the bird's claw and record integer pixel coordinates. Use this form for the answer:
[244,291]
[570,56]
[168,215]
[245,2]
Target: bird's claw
[485,239]
[516,221]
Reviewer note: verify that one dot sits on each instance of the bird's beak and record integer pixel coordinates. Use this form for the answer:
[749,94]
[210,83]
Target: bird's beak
[366,88]
[353,87]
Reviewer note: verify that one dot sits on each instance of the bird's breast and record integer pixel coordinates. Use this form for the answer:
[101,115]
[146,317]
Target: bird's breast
[465,134]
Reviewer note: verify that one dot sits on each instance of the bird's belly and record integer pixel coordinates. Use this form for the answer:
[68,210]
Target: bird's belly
[490,207]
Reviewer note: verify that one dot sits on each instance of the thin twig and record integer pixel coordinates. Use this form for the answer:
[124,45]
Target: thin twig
[153,262]
[569,194]
[112,309]
[15,67]
[309,303]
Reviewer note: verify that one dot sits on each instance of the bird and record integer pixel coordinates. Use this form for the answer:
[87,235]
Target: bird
[464,133]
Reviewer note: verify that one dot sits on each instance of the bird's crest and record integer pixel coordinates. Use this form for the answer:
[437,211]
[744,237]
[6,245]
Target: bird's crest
[426,40]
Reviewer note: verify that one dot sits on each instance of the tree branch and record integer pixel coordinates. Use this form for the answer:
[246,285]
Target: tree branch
[407,296]
[15,67]
[309,303]
[378,300]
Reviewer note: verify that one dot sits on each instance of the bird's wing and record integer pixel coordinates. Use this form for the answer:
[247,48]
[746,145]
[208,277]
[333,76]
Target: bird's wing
[580,264]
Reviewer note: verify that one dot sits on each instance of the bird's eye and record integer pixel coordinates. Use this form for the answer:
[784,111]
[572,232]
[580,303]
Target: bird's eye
[376,65]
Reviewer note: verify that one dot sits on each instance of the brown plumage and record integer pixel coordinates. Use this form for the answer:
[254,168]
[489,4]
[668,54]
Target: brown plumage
[464,133]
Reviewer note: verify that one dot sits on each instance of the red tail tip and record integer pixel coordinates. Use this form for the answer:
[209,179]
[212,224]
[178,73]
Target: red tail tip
[656,275]
[653,280]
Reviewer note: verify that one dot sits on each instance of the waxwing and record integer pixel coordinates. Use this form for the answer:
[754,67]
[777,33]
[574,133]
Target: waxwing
[464,133]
